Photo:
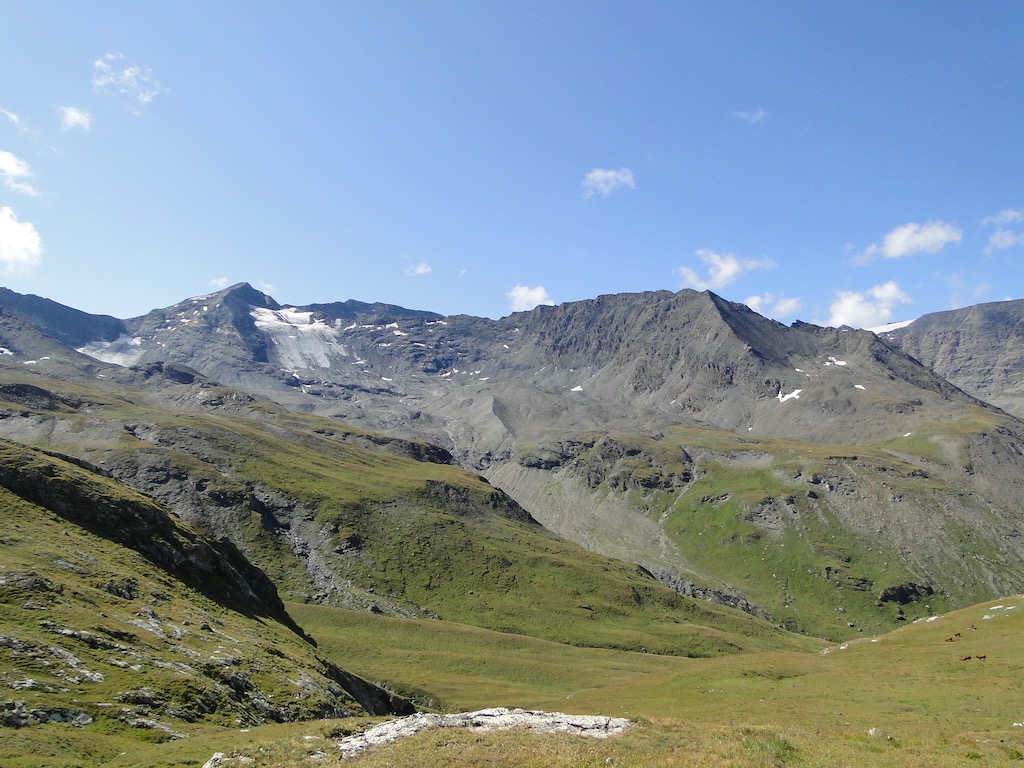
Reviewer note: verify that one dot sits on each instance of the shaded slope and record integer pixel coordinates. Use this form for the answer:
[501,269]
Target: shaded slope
[69,326]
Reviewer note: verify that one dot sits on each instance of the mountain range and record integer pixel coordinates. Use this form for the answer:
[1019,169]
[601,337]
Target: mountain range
[662,471]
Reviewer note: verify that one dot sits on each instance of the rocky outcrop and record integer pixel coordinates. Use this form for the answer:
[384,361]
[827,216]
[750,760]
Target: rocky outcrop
[905,593]
[498,719]
[691,589]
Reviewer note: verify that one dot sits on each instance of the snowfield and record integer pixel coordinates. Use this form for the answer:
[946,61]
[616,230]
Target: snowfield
[124,350]
[299,339]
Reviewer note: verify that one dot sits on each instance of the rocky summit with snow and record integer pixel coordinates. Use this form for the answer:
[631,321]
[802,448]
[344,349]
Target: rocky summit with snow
[825,479]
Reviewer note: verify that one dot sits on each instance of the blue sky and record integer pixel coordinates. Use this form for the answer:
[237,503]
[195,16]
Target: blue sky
[855,162]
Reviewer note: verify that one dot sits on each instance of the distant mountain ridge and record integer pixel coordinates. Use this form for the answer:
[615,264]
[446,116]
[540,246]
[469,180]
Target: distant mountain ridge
[664,357]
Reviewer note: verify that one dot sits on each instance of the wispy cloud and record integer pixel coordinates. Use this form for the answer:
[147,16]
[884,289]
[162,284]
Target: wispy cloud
[1003,238]
[913,238]
[217,283]
[722,269]
[867,309]
[523,298]
[419,269]
[73,117]
[14,171]
[1001,219]
[111,74]
[603,182]
[21,248]
[753,116]
[777,307]
[15,119]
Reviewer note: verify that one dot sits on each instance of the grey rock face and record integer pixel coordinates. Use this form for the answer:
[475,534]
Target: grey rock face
[979,348]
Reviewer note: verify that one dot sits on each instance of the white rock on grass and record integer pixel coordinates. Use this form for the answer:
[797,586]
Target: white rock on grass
[498,719]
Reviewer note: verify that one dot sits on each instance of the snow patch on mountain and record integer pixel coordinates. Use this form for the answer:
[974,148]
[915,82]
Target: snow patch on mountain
[889,327]
[299,339]
[794,395]
[125,350]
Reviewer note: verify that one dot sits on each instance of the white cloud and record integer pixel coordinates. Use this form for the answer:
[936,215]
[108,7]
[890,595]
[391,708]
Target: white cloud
[523,298]
[603,182]
[1002,239]
[217,283]
[723,268]
[112,75]
[755,116]
[1003,218]
[21,248]
[15,119]
[913,238]
[868,308]
[14,170]
[776,307]
[420,269]
[73,117]
[786,307]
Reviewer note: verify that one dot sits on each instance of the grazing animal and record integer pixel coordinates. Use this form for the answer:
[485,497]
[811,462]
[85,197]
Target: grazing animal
[957,635]
[979,657]
[949,639]
[965,658]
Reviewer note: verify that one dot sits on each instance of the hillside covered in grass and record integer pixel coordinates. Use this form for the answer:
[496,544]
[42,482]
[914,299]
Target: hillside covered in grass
[117,618]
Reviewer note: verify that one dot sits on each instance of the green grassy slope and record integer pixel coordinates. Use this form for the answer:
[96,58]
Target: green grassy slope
[99,631]
[437,537]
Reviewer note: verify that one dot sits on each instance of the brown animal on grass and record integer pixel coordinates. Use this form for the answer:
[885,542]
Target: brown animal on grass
[965,658]
[979,657]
